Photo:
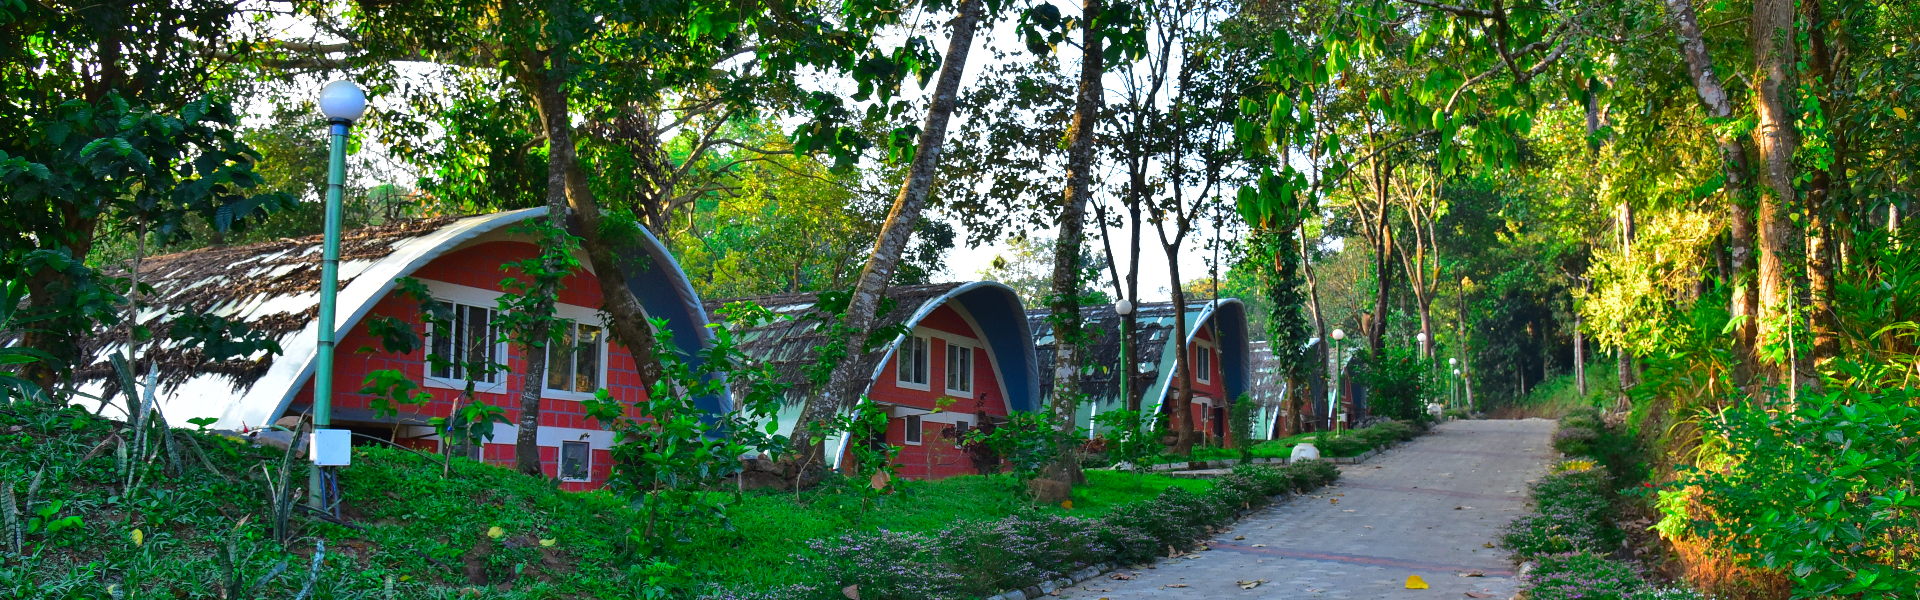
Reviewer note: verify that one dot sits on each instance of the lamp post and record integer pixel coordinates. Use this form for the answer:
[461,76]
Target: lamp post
[1333,397]
[1122,308]
[1452,382]
[342,102]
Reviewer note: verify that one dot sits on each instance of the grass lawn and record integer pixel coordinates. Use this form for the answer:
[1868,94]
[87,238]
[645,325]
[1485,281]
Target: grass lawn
[1280,448]
[425,533]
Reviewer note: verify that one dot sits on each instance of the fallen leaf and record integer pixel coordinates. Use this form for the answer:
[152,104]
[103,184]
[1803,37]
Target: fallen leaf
[852,592]
[1477,573]
[548,542]
[1478,595]
[1487,545]
[1347,510]
[1259,545]
[1066,504]
[1247,585]
[1458,507]
[1239,537]
[1334,500]
[496,532]
[1414,582]
[1174,585]
[1123,576]
[139,538]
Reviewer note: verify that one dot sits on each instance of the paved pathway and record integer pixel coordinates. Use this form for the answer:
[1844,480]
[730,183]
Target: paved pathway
[1427,508]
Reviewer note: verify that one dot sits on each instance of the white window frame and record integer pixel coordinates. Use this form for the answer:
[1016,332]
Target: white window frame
[914,357]
[560,469]
[499,348]
[599,377]
[963,352]
[915,430]
[1203,372]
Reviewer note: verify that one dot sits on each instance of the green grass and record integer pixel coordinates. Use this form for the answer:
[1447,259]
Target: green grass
[1280,448]
[426,531]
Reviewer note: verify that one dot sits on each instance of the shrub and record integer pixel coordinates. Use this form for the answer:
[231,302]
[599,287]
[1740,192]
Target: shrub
[1020,550]
[1573,514]
[1575,441]
[885,564]
[1585,576]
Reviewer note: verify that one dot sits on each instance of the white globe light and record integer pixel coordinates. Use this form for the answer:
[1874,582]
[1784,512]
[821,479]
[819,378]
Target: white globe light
[1453,361]
[1422,337]
[342,100]
[1456,371]
[1124,307]
[1339,335]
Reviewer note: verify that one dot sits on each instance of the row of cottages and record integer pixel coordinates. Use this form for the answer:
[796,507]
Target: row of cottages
[966,358]
[1215,342]
[971,354]
[274,288]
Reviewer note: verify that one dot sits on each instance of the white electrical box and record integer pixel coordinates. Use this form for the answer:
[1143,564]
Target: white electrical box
[330,447]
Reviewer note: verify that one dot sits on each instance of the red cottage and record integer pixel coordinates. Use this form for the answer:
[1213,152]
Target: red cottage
[1216,342]
[967,356]
[273,288]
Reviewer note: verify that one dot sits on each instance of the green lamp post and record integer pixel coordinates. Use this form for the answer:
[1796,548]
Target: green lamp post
[342,103]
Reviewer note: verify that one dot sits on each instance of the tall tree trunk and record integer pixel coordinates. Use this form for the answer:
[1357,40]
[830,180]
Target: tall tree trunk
[1382,259]
[1130,324]
[547,82]
[1820,201]
[846,380]
[1771,39]
[1180,412]
[1735,168]
[1066,253]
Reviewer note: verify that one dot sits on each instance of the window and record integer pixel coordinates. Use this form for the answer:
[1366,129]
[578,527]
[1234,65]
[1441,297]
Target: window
[911,368]
[573,358]
[913,429]
[468,340]
[1204,366]
[959,369]
[576,461]
[960,429]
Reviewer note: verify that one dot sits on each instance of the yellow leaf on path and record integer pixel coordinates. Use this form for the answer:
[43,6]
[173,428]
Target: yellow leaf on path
[1414,582]
[139,537]
[496,532]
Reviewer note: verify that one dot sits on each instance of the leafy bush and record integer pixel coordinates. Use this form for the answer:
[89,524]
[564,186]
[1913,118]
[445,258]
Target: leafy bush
[1586,576]
[1573,515]
[1575,441]
[1020,550]
[1822,490]
[1399,384]
[885,564]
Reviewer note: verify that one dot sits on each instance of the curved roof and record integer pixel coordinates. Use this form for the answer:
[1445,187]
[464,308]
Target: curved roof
[273,287]
[788,345]
[1155,322]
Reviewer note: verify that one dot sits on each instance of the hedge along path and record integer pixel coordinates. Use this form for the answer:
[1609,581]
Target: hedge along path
[1428,508]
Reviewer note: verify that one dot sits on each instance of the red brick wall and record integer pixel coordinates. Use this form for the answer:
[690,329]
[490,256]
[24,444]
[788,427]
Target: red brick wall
[479,267]
[936,457]
[1213,387]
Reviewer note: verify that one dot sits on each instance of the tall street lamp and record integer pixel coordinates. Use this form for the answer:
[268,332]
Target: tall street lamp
[1453,363]
[1123,308]
[1333,397]
[342,102]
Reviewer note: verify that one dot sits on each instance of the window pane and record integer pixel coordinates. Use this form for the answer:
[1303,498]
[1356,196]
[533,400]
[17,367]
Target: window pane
[586,366]
[966,369]
[953,367]
[913,429]
[575,459]
[560,357]
[479,343]
[442,336]
[920,360]
[903,363]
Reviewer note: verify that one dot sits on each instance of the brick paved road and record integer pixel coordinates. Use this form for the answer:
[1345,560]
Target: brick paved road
[1426,508]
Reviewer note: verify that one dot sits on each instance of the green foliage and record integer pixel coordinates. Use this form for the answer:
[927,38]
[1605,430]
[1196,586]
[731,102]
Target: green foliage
[667,448]
[1400,383]
[1573,513]
[391,389]
[1027,442]
[1240,424]
[1587,575]
[1129,438]
[1820,487]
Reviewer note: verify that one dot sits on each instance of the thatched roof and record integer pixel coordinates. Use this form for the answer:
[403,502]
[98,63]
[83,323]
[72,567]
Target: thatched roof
[273,288]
